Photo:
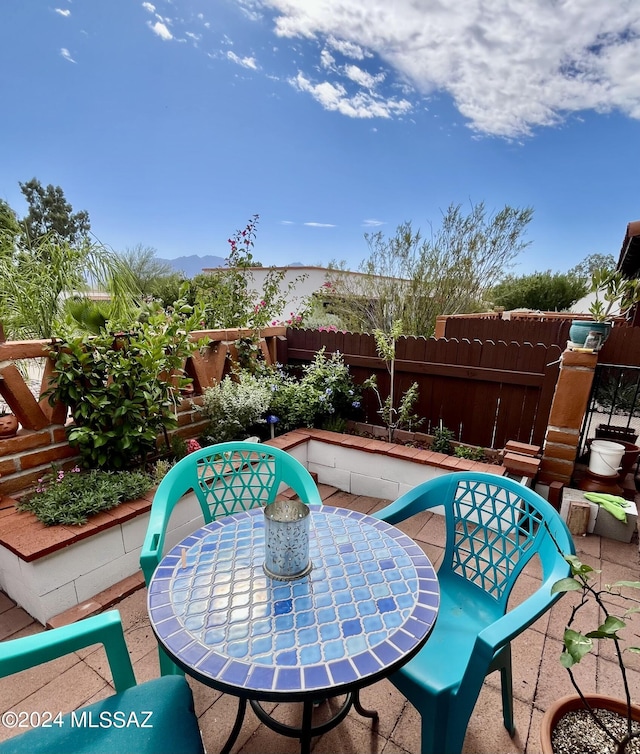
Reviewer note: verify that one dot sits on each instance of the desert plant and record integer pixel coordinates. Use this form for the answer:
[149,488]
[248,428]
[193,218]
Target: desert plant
[578,641]
[611,290]
[471,454]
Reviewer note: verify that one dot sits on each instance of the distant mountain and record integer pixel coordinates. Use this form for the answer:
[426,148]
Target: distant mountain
[193,265]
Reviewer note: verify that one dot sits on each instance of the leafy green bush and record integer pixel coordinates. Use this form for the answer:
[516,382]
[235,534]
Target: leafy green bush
[471,454]
[118,386]
[292,402]
[442,437]
[234,406]
[70,497]
[323,396]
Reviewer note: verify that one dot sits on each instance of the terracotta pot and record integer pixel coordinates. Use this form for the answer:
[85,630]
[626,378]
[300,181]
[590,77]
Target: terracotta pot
[8,425]
[629,459]
[570,703]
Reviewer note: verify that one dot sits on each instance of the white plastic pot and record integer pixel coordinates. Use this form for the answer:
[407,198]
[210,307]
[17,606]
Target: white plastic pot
[606,457]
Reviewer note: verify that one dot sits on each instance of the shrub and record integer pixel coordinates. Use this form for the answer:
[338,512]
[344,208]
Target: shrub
[471,454]
[324,395]
[70,497]
[118,386]
[442,437]
[234,406]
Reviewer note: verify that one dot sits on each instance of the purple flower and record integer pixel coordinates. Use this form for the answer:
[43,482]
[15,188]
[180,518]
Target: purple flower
[356,404]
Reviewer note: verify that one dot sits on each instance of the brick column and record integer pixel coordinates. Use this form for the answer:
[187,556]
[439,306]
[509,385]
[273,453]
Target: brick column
[569,406]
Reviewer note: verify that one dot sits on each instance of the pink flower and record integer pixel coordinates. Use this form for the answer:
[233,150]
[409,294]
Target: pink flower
[193,445]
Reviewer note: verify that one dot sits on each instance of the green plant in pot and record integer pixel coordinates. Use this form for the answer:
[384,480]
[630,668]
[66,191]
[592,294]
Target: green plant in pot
[592,723]
[615,296]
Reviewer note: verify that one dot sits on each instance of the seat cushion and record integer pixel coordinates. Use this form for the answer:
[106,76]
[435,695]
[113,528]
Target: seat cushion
[122,724]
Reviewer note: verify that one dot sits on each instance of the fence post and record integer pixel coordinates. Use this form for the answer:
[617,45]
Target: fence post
[570,402]
[441,326]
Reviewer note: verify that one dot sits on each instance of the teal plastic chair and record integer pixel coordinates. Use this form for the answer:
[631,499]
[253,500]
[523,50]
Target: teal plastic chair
[226,478]
[494,527]
[108,726]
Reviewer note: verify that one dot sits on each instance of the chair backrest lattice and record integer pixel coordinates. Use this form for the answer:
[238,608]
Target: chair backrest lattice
[494,536]
[231,481]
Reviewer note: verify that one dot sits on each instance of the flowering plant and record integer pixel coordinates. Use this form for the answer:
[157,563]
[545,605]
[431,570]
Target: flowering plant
[69,497]
[193,445]
[325,392]
[229,296]
[234,406]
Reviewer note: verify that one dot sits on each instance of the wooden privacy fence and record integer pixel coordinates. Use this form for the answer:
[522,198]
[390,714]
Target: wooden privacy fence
[525,330]
[486,392]
[621,347]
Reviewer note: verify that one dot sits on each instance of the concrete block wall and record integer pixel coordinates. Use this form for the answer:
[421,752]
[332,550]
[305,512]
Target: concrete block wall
[49,585]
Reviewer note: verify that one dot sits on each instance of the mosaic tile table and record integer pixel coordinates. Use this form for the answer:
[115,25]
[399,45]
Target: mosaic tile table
[368,604]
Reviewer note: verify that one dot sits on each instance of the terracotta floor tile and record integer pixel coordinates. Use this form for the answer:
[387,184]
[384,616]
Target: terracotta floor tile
[538,676]
[6,603]
[13,620]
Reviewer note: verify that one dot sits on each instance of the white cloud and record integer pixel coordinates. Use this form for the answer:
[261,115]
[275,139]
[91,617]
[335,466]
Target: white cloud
[348,49]
[161,30]
[372,223]
[327,60]
[148,6]
[287,222]
[251,9]
[334,96]
[320,225]
[245,62]
[363,78]
[66,54]
[509,65]
[63,12]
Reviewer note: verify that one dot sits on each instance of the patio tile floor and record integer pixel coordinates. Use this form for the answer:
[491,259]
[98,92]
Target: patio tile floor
[538,677]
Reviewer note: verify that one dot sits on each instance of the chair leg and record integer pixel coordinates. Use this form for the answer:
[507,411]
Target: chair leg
[506,684]
[167,665]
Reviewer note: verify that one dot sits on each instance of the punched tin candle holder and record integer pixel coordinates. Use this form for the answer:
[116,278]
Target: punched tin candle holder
[286,540]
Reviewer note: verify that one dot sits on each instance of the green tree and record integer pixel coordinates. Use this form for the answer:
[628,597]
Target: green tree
[166,289]
[36,281]
[50,213]
[547,291]
[145,269]
[593,263]
[9,228]
[412,279]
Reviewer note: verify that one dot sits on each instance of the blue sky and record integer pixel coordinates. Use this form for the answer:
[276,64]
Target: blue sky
[173,122]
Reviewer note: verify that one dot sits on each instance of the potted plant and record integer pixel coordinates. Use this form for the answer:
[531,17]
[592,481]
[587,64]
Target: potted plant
[8,422]
[600,723]
[615,295]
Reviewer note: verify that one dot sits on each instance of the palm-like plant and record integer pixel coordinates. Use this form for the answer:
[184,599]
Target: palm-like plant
[37,278]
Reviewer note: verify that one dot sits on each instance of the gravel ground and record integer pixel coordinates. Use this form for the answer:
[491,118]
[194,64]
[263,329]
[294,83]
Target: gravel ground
[577,733]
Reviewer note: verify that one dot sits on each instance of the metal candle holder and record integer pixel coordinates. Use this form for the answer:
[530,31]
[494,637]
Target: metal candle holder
[286,540]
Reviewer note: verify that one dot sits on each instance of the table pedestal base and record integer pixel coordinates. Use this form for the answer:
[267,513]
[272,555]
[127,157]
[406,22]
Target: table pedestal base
[307,730]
